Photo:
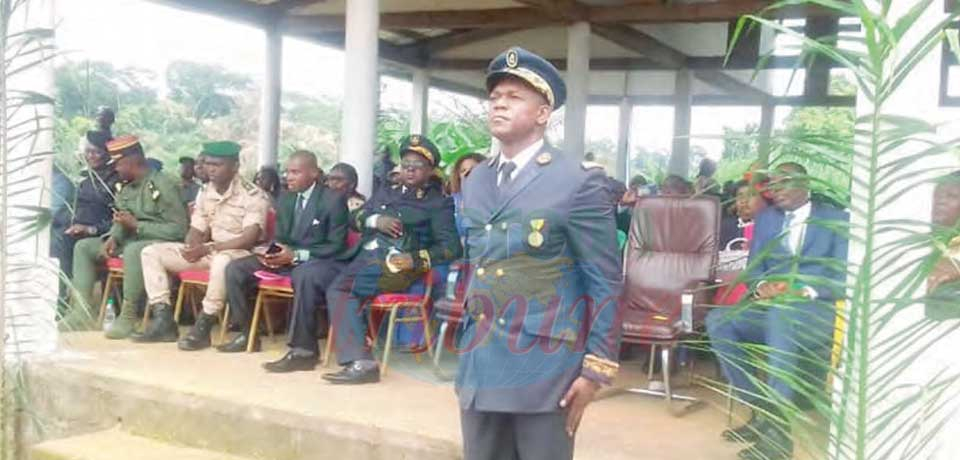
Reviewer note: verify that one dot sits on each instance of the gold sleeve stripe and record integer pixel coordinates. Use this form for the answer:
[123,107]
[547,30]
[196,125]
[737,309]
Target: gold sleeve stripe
[601,366]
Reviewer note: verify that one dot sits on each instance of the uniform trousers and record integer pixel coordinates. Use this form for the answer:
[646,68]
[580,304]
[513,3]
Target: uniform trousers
[161,259]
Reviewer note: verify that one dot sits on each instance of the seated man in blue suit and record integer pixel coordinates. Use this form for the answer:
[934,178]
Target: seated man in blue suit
[797,262]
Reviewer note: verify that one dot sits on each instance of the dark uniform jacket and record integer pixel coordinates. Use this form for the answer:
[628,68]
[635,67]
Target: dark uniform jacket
[321,229]
[429,231]
[94,199]
[542,297]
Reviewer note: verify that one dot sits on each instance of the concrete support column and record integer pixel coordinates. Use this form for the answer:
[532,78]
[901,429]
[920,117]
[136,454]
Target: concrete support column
[680,155]
[361,85]
[421,102]
[270,99]
[623,139]
[578,87]
[766,131]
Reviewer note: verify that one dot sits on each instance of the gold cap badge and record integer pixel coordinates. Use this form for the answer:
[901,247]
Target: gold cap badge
[544,158]
[513,59]
[414,140]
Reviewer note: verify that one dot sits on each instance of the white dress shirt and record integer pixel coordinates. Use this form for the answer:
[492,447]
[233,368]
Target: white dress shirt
[798,227]
[521,159]
[302,255]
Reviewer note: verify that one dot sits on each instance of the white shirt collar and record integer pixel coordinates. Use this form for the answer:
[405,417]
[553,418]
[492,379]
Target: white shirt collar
[802,213]
[521,159]
[306,194]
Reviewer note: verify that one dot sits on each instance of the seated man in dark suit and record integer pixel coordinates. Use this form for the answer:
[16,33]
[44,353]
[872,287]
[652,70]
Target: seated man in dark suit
[798,256]
[311,231]
[408,228]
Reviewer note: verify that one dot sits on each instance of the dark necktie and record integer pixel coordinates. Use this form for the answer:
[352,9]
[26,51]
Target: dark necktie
[506,170]
[298,211]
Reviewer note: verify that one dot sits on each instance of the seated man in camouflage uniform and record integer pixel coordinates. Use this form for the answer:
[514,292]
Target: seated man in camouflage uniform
[148,210]
[229,219]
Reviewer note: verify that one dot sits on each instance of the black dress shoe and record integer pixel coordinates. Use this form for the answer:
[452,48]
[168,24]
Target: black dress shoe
[291,363]
[353,374]
[238,344]
[774,443]
[748,432]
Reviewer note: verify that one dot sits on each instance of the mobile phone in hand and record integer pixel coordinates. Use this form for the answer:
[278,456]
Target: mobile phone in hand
[274,248]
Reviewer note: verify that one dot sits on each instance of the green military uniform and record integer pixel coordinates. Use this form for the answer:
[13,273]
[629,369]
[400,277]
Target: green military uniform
[155,202]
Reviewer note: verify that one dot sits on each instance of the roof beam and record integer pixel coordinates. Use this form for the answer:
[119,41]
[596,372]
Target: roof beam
[560,10]
[635,64]
[439,44]
[698,12]
[635,40]
[288,5]
[246,12]
[502,18]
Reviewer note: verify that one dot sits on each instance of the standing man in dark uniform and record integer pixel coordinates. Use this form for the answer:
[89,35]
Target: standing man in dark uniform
[542,331]
[408,228]
[311,230]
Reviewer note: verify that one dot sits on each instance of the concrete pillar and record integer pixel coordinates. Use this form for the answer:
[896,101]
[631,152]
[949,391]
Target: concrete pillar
[421,102]
[883,247]
[766,130]
[28,275]
[623,139]
[361,85]
[680,155]
[270,100]
[578,82]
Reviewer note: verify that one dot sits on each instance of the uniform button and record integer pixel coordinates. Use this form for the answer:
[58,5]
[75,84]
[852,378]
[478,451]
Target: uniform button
[499,272]
[503,226]
[488,227]
[481,271]
[383,206]
[501,321]
[481,317]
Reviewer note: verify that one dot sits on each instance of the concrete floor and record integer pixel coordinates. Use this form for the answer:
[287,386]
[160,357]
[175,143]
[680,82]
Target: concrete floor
[410,400]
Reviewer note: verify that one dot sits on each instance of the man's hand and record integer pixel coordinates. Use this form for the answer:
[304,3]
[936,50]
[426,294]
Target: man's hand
[110,247]
[194,253]
[126,220]
[944,271]
[278,259]
[772,289]
[402,261]
[78,230]
[390,226]
[629,198]
[580,394]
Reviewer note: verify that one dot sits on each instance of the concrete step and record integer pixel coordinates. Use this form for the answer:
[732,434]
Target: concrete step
[116,444]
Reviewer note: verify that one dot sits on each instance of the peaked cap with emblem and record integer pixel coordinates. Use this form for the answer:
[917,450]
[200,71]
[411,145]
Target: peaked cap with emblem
[536,71]
[122,146]
[421,145]
[222,149]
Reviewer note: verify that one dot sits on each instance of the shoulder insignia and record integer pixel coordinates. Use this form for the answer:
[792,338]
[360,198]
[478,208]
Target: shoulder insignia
[118,186]
[154,193]
[544,158]
[421,194]
[395,186]
[588,165]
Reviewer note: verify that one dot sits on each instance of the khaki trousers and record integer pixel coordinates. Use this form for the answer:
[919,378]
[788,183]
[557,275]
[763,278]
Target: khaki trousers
[161,259]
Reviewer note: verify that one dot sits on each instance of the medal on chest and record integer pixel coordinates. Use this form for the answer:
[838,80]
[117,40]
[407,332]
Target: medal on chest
[535,238]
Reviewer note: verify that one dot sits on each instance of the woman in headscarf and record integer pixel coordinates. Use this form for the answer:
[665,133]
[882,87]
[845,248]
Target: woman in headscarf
[343,178]
[91,214]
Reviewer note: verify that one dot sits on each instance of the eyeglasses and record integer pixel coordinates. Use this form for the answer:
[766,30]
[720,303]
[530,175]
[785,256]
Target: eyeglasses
[413,164]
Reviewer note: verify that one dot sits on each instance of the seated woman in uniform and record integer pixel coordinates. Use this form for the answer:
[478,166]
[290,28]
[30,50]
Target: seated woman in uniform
[92,215]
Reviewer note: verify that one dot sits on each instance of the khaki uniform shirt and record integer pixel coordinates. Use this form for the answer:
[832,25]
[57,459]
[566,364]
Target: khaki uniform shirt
[225,216]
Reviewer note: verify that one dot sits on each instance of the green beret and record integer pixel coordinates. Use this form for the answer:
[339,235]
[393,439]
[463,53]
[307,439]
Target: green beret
[222,149]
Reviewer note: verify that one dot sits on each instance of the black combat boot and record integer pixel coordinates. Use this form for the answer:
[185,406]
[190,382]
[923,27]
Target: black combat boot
[162,328]
[199,336]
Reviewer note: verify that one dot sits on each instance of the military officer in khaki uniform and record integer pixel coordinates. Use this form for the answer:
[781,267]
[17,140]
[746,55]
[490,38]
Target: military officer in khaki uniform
[229,219]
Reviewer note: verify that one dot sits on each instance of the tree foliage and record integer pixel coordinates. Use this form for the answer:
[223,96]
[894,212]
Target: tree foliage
[209,90]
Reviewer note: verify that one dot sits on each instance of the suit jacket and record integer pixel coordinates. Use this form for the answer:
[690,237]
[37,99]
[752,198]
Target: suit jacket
[542,296]
[322,229]
[822,258]
[430,233]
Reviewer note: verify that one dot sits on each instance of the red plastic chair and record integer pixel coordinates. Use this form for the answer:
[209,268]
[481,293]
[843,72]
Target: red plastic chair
[114,280]
[392,303]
